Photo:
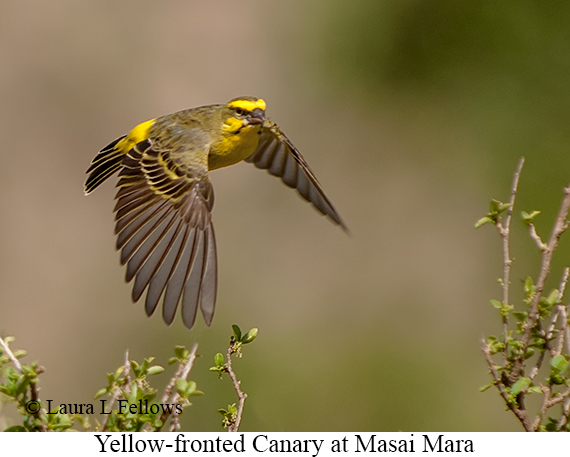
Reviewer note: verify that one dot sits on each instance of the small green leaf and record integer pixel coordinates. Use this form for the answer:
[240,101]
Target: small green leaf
[219,359]
[134,392]
[191,387]
[553,297]
[117,373]
[100,393]
[250,336]
[497,304]
[181,384]
[520,385]
[528,218]
[483,221]
[559,364]
[181,352]
[156,369]
[237,332]
[20,353]
[137,369]
[496,207]
[503,207]
[21,385]
[552,425]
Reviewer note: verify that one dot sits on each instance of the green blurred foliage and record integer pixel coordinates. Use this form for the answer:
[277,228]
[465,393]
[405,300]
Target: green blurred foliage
[497,71]
[499,67]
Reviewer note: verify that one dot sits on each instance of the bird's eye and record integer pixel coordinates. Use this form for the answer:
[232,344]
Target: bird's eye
[240,112]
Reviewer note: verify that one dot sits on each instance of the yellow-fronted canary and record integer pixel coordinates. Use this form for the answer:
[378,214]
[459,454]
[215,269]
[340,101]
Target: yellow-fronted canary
[164,199]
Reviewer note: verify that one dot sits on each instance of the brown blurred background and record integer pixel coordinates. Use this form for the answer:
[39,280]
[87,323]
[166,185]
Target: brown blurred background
[413,115]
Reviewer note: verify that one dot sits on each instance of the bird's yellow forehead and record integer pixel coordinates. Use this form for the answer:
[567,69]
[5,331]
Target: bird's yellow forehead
[247,105]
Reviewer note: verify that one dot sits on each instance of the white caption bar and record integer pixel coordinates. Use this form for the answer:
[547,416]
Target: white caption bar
[305,444]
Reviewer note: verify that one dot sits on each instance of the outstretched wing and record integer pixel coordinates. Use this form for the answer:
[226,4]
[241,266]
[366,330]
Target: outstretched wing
[164,229]
[276,154]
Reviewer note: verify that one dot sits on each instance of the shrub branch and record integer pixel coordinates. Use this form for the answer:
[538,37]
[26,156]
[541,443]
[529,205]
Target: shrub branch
[542,328]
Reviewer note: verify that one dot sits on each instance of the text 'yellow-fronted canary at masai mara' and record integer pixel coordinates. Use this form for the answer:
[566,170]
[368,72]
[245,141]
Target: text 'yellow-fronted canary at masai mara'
[164,199]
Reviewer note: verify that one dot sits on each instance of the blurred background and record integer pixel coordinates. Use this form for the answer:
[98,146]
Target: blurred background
[412,114]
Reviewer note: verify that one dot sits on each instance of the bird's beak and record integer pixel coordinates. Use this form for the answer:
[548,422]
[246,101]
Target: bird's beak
[256,117]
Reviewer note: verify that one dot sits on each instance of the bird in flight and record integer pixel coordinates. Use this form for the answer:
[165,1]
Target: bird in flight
[165,198]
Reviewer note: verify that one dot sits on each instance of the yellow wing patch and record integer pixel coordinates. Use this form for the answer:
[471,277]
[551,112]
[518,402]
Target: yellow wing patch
[135,136]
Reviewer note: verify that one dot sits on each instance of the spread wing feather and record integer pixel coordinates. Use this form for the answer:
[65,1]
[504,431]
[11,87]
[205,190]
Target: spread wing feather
[276,154]
[165,233]
[107,162]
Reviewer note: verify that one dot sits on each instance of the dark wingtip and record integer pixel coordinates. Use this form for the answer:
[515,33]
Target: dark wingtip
[334,216]
[345,229]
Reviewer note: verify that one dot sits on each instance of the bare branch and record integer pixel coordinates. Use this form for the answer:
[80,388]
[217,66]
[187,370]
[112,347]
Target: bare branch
[536,238]
[564,336]
[505,230]
[10,354]
[537,366]
[563,283]
[546,392]
[560,311]
[565,412]
[174,422]
[565,329]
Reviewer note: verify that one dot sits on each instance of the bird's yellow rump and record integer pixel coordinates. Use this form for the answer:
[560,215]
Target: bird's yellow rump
[164,198]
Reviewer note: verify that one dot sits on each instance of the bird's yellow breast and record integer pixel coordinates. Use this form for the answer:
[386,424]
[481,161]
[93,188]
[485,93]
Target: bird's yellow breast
[237,143]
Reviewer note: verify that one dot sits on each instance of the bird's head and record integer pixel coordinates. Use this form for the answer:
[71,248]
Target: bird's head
[244,113]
